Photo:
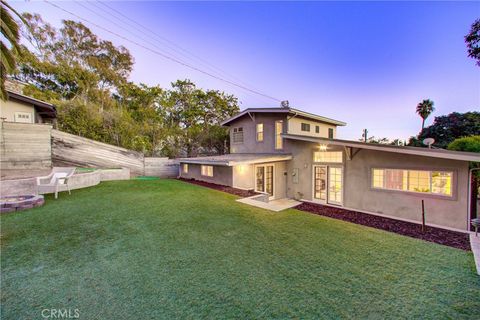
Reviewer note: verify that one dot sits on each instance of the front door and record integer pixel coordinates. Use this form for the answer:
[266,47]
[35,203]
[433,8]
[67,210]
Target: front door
[327,184]
[264,179]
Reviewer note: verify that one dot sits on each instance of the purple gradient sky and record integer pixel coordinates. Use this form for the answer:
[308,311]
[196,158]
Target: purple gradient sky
[365,63]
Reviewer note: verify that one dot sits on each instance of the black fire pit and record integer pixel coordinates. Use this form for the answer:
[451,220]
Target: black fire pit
[19,203]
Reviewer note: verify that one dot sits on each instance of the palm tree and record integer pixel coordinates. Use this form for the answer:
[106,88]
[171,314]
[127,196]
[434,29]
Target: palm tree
[10,32]
[424,109]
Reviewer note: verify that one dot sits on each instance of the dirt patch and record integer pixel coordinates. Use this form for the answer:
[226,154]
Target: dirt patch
[445,237]
[235,191]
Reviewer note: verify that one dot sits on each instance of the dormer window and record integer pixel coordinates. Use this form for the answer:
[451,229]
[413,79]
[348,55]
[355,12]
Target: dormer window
[237,135]
[306,127]
[259,132]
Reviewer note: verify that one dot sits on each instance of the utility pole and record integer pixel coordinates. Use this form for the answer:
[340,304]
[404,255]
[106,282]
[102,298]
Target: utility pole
[365,135]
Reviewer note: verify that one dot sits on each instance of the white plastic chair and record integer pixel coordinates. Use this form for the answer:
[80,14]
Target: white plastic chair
[56,181]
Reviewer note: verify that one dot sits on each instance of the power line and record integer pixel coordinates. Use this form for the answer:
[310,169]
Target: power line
[187,52]
[130,31]
[164,55]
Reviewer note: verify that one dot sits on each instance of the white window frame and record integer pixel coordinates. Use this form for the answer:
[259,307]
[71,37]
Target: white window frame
[429,193]
[236,131]
[315,160]
[259,134]
[278,135]
[20,115]
[206,170]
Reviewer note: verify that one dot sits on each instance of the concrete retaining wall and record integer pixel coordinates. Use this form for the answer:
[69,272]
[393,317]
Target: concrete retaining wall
[72,150]
[25,146]
[161,167]
[77,181]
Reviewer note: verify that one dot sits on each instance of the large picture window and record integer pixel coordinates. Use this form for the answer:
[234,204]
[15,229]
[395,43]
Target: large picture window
[421,181]
[207,171]
[328,156]
[237,135]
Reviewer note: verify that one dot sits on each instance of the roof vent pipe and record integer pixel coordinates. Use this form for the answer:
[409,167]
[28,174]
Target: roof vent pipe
[285,104]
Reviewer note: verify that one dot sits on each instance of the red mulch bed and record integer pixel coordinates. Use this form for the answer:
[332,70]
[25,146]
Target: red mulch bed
[235,191]
[446,237]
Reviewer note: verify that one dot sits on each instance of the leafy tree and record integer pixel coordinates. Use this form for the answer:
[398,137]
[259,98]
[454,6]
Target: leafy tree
[10,32]
[72,62]
[470,144]
[447,128]
[424,110]
[374,140]
[195,112]
[87,78]
[472,39]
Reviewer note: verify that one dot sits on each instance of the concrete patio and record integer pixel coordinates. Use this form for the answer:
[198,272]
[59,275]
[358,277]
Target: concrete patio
[273,205]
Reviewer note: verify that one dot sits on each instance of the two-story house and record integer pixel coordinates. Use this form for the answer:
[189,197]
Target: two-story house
[288,153]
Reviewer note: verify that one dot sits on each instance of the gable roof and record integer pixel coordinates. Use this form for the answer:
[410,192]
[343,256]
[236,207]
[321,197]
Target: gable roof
[288,111]
[434,153]
[44,109]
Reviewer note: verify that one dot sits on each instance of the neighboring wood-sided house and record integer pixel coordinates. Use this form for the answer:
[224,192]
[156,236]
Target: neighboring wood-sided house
[288,153]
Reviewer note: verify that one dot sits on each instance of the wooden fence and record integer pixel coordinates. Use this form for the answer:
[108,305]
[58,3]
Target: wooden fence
[25,146]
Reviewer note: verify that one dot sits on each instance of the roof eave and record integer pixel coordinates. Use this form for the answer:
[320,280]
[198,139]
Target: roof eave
[443,154]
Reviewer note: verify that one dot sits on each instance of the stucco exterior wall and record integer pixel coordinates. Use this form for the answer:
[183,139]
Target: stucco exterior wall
[295,127]
[244,177]
[250,143]
[221,174]
[450,212]
[9,107]
[358,194]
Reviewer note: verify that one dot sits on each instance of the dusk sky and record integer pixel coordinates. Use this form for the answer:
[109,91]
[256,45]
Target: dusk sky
[365,63]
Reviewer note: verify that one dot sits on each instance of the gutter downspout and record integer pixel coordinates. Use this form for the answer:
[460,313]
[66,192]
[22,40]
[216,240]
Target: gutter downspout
[469,199]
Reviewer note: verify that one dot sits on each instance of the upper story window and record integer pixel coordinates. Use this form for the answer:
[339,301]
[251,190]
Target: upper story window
[207,171]
[328,156]
[278,134]
[317,129]
[306,127]
[421,181]
[259,131]
[330,133]
[185,168]
[237,136]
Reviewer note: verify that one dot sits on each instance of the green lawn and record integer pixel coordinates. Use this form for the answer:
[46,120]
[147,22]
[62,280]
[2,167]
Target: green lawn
[167,249]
